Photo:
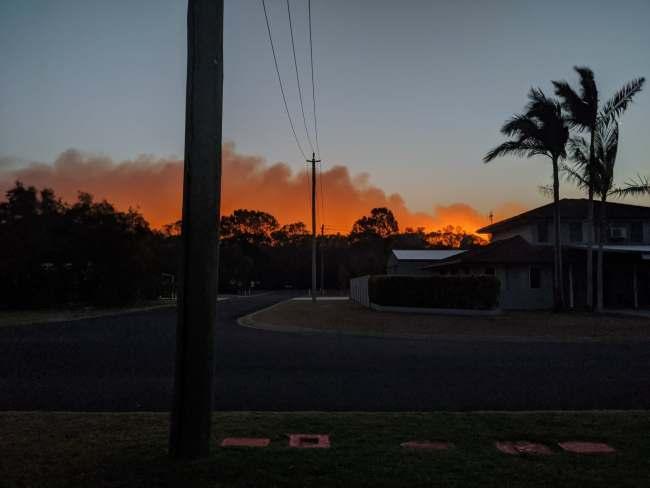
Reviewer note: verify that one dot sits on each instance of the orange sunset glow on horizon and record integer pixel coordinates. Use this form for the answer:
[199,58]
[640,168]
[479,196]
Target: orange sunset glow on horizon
[154,185]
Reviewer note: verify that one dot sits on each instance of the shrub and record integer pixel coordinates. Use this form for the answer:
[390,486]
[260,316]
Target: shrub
[468,292]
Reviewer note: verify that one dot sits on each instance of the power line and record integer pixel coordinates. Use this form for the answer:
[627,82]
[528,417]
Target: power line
[313,90]
[295,64]
[277,70]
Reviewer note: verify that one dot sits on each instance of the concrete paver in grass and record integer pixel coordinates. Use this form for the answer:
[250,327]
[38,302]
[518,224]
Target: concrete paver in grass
[518,448]
[432,445]
[580,447]
[245,442]
[309,441]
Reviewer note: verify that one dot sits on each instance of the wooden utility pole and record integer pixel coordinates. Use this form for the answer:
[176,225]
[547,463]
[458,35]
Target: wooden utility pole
[313,162]
[322,258]
[197,299]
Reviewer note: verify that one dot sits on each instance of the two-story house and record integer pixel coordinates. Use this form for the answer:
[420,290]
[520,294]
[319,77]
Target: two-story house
[520,254]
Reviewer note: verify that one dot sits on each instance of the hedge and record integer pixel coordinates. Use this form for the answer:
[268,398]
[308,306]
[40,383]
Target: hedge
[464,292]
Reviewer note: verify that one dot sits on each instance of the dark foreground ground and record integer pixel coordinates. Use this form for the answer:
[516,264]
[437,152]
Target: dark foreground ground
[52,450]
[125,363]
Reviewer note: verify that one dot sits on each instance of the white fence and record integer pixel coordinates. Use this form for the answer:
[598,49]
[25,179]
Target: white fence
[359,290]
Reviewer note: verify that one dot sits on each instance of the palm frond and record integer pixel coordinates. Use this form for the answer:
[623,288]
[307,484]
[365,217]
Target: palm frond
[579,151]
[610,143]
[616,105]
[540,106]
[572,104]
[588,88]
[635,187]
[546,190]
[576,175]
[519,125]
[517,148]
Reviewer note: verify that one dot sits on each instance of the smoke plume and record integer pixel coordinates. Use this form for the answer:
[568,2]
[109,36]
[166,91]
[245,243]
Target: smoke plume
[154,186]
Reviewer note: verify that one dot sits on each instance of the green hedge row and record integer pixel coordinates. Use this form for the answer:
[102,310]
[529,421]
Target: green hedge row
[466,292]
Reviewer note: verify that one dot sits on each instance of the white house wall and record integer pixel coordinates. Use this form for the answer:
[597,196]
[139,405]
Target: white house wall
[516,293]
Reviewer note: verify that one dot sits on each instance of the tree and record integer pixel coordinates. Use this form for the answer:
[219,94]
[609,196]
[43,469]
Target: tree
[540,131]
[250,226]
[290,234]
[52,253]
[380,223]
[451,237]
[599,177]
[582,111]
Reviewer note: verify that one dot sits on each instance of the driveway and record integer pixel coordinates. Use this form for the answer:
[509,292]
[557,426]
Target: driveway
[125,363]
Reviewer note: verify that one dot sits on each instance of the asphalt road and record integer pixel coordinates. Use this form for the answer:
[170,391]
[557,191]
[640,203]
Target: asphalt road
[125,363]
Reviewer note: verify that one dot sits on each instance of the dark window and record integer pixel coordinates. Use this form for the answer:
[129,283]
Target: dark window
[542,232]
[535,277]
[636,232]
[489,271]
[575,231]
[617,233]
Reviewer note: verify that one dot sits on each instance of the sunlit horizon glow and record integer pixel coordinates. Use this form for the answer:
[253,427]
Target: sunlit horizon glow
[153,186]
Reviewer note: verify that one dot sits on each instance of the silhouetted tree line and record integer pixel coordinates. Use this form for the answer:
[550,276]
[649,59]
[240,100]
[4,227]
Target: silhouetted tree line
[254,248]
[53,252]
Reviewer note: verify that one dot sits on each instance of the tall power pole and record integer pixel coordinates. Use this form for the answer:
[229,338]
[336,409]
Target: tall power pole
[313,162]
[322,257]
[197,299]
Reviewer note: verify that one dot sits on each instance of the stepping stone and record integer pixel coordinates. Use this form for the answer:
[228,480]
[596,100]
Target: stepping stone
[309,441]
[586,447]
[519,448]
[435,445]
[245,442]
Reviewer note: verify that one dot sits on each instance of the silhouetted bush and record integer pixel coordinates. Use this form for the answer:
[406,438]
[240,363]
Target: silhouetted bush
[468,292]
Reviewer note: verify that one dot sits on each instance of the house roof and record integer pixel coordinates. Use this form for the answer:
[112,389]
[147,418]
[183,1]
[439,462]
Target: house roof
[571,209]
[513,250]
[424,254]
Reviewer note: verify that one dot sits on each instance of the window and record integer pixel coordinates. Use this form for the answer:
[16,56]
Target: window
[535,277]
[575,231]
[542,232]
[617,233]
[636,232]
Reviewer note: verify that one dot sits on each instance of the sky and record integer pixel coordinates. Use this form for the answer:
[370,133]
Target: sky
[410,95]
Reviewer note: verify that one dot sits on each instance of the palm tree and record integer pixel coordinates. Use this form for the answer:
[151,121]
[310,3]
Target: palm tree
[599,178]
[540,131]
[583,114]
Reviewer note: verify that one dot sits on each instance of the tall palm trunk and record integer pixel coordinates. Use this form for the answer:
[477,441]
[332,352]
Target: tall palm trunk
[590,226]
[602,219]
[558,284]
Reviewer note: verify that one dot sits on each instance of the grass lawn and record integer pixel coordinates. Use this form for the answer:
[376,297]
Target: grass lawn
[348,316]
[24,317]
[127,449]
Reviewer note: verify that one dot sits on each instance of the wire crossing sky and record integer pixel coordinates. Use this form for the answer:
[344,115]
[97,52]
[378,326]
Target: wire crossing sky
[277,70]
[411,92]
